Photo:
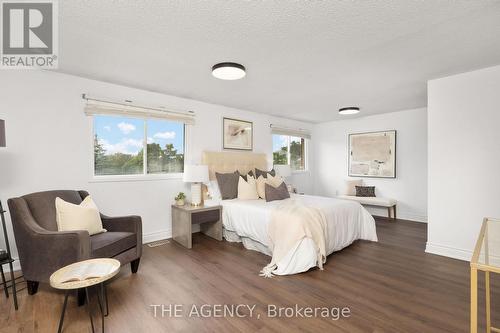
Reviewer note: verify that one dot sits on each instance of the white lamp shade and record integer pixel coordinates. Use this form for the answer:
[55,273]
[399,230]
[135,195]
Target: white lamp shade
[195,174]
[283,170]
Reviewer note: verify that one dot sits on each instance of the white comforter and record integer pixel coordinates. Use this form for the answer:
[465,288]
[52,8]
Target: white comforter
[347,221]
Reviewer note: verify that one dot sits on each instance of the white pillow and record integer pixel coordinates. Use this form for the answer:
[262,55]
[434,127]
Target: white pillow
[213,190]
[247,190]
[261,187]
[350,186]
[274,181]
[84,216]
[261,184]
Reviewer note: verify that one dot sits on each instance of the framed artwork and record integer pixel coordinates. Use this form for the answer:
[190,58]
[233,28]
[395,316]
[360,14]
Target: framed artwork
[372,154]
[237,134]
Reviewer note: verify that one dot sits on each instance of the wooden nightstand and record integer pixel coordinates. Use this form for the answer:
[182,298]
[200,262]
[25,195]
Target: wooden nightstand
[183,217]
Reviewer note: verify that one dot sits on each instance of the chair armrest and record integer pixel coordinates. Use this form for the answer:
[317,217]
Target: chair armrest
[131,223]
[48,251]
[73,245]
[43,251]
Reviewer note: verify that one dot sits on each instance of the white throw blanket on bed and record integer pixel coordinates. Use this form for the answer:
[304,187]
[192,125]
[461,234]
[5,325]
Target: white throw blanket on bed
[291,222]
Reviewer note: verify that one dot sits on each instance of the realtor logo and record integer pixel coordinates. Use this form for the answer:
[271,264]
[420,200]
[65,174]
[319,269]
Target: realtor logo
[29,34]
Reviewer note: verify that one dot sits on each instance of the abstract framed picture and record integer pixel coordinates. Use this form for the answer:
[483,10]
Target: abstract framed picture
[372,154]
[237,134]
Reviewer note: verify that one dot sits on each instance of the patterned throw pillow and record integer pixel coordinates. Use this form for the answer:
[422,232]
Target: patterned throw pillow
[263,173]
[276,193]
[365,191]
[228,184]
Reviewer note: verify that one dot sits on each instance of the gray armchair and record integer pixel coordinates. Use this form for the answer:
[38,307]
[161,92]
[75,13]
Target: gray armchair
[42,249]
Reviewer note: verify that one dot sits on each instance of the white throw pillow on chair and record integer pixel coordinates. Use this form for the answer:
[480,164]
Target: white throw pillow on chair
[84,216]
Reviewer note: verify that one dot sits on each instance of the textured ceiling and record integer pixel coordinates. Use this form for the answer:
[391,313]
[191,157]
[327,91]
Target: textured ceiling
[304,59]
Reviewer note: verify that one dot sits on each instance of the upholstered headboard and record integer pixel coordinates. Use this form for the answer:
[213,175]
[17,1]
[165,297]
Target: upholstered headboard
[224,162]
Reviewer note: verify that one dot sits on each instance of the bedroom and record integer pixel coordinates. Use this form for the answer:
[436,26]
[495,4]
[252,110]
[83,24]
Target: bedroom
[428,70]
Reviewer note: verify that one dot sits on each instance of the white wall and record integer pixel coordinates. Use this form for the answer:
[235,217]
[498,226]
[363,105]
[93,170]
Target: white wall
[49,143]
[409,188]
[464,159]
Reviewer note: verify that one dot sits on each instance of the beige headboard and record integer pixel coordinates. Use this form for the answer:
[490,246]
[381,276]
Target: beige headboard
[224,162]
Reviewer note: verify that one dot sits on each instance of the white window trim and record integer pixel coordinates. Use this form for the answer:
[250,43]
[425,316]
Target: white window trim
[138,177]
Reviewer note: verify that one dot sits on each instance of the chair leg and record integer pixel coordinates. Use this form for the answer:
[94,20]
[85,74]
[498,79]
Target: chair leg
[394,211]
[13,282]
[134,265]
[388,212]
[5,289]
[80,296]
[32,287]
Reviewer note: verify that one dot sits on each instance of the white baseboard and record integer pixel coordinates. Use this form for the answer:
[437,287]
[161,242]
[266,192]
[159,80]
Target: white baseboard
[162,234]
[156,236]
[412,217]
[447,251]
[404,215]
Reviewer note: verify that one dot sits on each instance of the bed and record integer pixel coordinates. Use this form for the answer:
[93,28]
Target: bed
[247,221]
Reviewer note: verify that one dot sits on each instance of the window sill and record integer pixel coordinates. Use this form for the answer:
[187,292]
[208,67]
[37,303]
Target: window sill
[300,172]
[135,178]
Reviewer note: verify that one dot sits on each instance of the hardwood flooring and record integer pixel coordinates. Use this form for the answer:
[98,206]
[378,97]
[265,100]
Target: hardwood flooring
[389,286]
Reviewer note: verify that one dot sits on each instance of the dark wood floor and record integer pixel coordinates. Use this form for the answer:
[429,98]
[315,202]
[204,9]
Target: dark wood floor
[389,286]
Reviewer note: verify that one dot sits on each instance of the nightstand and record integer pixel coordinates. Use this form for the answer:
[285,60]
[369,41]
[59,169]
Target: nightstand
[183,217]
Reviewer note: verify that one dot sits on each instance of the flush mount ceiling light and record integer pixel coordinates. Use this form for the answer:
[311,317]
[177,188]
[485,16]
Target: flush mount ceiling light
[349,110]
[228,71]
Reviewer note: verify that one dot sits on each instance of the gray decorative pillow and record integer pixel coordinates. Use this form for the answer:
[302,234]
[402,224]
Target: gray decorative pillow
[263,173]
[228,184]
[250,173]
[276,193]
[365,191]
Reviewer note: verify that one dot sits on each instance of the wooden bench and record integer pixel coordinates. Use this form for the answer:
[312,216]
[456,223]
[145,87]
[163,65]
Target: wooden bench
[390,204]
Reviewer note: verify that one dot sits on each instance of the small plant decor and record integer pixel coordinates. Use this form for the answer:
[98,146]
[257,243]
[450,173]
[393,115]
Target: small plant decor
[180,199]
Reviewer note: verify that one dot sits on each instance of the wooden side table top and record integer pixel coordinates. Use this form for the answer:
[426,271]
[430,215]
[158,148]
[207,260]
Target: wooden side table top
[57,277]
[209,219]
[202,208]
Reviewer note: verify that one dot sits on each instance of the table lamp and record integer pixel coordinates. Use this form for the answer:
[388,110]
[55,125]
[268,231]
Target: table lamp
[195,174]
[284,171]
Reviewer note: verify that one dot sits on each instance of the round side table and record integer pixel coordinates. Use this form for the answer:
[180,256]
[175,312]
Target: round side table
[57,278]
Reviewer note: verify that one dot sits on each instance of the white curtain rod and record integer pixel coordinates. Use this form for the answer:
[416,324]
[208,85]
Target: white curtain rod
[288,128]
[300,132]
[130,104]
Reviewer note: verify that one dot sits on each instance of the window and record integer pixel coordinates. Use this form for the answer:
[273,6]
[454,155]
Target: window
[297,153]
[290,150]
[119,144]
[165,148]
